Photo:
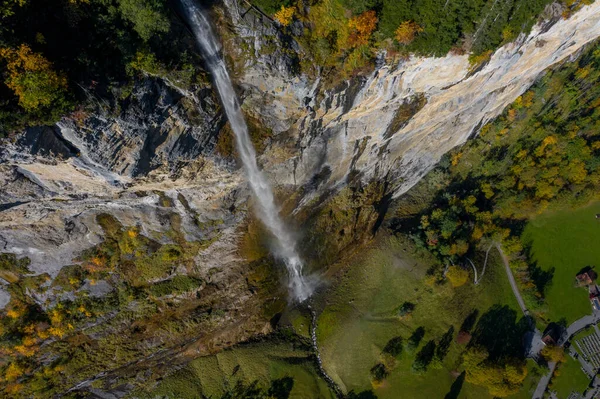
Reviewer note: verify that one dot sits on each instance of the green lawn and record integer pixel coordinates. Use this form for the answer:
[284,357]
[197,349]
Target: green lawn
[569,377]
[566,241]
[359,319]
[263,362]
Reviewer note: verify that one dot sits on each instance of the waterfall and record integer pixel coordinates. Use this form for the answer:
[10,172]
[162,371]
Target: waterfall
[285,243]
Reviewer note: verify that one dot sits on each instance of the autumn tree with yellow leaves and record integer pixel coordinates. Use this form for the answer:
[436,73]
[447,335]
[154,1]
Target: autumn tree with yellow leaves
[31,77]
[285,15]
[407,31]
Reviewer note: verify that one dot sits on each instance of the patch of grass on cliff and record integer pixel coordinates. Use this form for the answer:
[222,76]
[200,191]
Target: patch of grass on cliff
[561,244]
[361,316]
[139,259]
[261,363]
[259,134]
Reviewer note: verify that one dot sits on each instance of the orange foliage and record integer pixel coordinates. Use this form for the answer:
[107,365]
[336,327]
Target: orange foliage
[361,27]
[31,77]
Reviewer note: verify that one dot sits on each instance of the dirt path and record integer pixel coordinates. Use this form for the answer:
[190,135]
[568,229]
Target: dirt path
[511,280]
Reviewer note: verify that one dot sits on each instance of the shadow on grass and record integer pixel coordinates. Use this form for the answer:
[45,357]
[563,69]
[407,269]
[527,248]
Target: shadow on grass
[499,332]
[362,395]
[456,387]
[469,322]
[541,278]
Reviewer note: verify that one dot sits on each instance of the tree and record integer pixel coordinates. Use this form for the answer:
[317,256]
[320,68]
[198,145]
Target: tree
[457,276]
[361,28]
[424,357]
[407,31]
[379,372]
[32,78]
[501,380]
[7,7]
[147,16]
[553,353]
[415,339]
[285,15]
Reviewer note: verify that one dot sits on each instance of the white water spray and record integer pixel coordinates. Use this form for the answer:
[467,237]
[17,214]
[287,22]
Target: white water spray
[267,210]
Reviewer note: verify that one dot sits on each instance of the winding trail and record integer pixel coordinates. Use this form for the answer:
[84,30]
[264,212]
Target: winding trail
[511,280]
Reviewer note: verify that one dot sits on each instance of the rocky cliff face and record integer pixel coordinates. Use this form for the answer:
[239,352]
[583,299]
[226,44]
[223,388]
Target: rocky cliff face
[397,122]
[155,156]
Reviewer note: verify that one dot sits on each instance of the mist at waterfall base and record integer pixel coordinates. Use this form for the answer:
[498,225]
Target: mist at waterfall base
[266,209]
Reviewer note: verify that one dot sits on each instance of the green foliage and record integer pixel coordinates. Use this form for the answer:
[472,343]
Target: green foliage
[10,262]
[271,6]
[176,285]
[416,338]
[424,357]
[92,43]
[147,16]
[542,153]
[379,372]
[406,309]
[457,276]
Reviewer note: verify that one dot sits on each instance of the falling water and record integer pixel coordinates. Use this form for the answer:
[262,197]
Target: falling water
[267,211]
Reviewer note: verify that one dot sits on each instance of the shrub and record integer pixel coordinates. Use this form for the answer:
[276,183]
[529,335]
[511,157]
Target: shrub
[457,276]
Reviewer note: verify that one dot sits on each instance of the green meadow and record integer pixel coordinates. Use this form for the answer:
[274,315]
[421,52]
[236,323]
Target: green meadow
[565,241]
[360,316]
[568,378]
[263,363]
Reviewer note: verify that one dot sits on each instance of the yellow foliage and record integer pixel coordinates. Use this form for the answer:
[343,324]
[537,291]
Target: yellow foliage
[26,351]
[553,353]
[457,276]
[512,113]
[55,317]
[328,17]
[456,158]
[477,234]
[57,331]
[13,371]
[13,313]
[528,99]
[13,389]
[508,34]
[500,380]
[485,129]
[407,31]
[285,15]
[31,77]
[98,261]
[479,59]
[487,190]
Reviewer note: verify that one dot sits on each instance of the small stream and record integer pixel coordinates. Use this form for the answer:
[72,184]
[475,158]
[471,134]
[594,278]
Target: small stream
[313,335]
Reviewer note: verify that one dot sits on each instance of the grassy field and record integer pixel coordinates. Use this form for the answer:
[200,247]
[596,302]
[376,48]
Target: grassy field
[569,377]
[263,362]
[566,241]
[360,317]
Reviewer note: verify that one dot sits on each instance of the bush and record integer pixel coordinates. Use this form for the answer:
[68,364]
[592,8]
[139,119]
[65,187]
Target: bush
[457,276]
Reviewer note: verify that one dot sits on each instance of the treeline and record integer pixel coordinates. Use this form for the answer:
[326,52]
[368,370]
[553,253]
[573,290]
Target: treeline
[543,152]
[349,33]
[55,53]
